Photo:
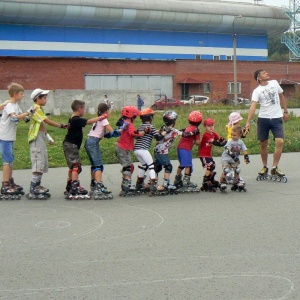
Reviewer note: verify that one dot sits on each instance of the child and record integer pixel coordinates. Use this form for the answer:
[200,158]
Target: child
[190,138]
[235,119]
[8,128]
[71,146]
[230,159]
[124,147]
[93,150]
[37,138]
[161,151]
[141,150]
[209,138]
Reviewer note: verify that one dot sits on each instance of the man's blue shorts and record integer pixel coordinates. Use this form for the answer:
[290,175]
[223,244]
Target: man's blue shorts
[264,126]
[185,158]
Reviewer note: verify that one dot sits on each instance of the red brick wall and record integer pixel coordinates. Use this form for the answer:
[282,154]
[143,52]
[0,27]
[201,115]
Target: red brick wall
[62,73]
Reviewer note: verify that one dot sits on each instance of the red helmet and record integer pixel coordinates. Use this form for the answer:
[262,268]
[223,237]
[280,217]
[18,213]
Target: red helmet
[195,117]
[130,112]
[209,122]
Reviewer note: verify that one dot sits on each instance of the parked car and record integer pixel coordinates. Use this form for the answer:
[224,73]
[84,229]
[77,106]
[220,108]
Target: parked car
[164,103]
[244,101]
[196,100]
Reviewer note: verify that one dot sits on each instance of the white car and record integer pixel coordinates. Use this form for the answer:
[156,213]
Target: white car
[196,100]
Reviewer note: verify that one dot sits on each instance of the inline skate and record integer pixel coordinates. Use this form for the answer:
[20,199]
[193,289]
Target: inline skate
[263,174]
[16,186]
[239,186]
[178,181]
[127,189]
[100,192]
[209,183]
[188,186]
[166,189]
[8,192]
[277,175]
[141,187]
[76,191]
[38,192]
[223,185]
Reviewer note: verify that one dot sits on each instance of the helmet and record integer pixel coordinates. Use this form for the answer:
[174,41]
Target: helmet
[195,117]
[209,122]
[170,117]
[147,114]
[234,117]
[130,112]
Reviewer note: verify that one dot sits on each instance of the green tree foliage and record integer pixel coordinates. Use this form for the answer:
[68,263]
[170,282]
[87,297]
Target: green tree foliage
[277,50]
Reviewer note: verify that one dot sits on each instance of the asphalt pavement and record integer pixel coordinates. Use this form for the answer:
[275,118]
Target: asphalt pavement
[208,246]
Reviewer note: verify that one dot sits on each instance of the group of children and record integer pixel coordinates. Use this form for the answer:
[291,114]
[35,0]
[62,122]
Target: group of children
[129,139]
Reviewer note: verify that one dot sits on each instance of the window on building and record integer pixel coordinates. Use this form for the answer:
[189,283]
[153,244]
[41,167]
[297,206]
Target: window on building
[206,87]
[216,57]
[198,56]
[228,57]
[231,87]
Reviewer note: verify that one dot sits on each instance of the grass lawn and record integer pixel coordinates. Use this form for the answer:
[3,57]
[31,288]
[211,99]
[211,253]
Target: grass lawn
[219,114]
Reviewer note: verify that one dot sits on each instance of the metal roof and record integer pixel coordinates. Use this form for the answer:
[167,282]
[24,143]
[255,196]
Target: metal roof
[163,15]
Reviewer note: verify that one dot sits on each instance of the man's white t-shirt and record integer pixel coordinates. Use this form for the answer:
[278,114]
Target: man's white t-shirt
[8,129]
[268,98]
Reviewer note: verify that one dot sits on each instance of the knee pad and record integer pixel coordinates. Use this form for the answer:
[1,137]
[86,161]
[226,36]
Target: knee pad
[97,168]
[151,166]
[168,168]
[128,170]
[226,170]
[77,168]
[211,166]
[143,167]
[237,170]
[157,167]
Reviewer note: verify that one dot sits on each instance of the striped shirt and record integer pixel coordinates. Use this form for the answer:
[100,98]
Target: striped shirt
[144,142]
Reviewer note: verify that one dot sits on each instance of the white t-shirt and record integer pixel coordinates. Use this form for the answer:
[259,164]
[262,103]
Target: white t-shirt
[8,129]
[268,98]
[98,129]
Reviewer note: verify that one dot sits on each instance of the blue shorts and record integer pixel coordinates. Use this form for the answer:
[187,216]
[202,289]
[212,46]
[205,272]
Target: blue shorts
[162,160]
[264,126]
[185,158]
[7,151]
[92,148]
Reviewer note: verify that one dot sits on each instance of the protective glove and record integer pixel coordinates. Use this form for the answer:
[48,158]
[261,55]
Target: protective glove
[50,139]
[246,158]
[147,129]
[64,126]
[31,110]
[124,125]
[102,117]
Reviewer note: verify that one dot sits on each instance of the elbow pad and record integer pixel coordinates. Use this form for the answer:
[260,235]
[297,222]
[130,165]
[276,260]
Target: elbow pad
[14,119]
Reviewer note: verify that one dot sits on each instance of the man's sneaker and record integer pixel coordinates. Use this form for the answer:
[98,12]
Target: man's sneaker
[276,171]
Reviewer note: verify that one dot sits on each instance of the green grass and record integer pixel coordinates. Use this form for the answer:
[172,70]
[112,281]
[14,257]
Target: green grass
[218,113]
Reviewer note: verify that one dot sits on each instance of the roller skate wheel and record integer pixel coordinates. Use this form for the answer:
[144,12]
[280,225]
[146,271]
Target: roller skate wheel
[284,179]
[258,178]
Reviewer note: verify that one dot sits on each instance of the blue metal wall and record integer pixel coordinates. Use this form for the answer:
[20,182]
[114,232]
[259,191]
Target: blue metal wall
[25,40]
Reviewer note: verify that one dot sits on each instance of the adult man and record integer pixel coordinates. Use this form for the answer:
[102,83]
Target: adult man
[140,102]
[269,95]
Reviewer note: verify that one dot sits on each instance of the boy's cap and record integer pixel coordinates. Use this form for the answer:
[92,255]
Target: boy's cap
[38,92]
[209,122]
[234,117]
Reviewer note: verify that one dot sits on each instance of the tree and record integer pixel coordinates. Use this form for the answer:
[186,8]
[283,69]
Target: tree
[277,50]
